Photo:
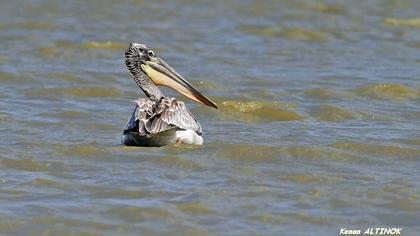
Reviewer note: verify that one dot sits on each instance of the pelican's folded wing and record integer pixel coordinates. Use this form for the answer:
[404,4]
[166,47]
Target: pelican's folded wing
[175,113]
[149,117]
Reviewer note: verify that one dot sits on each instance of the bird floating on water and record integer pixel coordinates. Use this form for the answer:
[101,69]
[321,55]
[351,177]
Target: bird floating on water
[159,120]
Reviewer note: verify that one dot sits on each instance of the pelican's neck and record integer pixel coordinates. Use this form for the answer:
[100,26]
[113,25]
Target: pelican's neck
[142,80]
[148,87]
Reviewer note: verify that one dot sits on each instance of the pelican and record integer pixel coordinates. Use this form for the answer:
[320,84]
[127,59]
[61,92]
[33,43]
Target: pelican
[159,120]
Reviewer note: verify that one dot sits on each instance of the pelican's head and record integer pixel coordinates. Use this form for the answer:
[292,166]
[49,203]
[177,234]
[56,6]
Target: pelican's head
[139,55]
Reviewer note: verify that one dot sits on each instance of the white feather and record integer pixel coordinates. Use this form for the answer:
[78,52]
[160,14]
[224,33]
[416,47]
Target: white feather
[188,136]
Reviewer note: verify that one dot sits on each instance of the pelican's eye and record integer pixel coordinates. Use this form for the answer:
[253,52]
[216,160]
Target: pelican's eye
[151,53]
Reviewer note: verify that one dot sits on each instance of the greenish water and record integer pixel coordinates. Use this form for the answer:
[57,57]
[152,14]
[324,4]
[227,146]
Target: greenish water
[318,126]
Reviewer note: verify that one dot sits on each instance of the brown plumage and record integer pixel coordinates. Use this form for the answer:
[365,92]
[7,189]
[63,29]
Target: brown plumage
[151,117]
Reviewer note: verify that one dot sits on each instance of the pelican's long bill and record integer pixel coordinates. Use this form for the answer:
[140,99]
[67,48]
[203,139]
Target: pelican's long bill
[162,74]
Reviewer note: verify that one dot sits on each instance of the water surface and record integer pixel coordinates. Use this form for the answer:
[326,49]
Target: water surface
[317,129]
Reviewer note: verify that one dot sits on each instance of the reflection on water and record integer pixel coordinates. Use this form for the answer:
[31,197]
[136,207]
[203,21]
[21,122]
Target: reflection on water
[317,127]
